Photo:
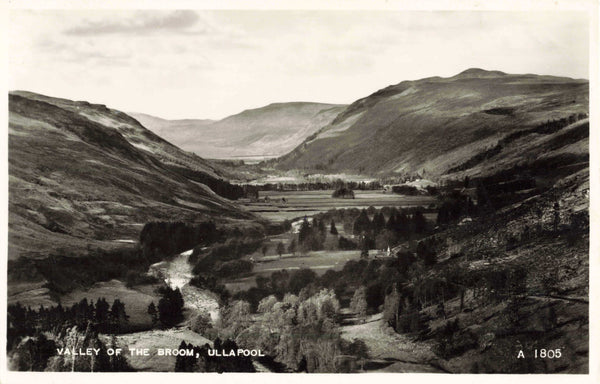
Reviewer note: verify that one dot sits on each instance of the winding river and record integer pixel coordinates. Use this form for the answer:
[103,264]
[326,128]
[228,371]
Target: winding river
[177,273]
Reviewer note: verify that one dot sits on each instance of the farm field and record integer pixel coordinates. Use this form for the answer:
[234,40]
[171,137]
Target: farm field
[318,261]
[307,203]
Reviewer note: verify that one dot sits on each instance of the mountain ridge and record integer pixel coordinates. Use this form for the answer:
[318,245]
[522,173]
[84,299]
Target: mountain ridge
[401,128]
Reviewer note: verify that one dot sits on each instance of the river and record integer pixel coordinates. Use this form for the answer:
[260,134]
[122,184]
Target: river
[177,273]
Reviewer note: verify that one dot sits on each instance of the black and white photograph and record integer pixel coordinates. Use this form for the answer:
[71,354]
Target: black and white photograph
[344,189]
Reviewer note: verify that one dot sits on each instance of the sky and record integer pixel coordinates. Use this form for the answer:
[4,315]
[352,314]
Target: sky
[211,64]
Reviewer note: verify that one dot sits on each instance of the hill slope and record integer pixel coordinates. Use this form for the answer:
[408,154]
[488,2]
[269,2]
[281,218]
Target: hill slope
[170,130]
[269,131]
[83,175]
[436,124]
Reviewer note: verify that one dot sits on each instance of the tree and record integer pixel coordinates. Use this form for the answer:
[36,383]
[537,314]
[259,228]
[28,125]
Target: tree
[359,349]
[362,224]
[153,313]
[321,225]
[378,223]
[300,279]
[170,307]
[426,253]
[304,231]
[358,304]
[391,223]
[364,249]
[118,317]
[420,223]
[280,249]
[201,323]
[332,228]
[403,227]
[101,312]
[235,317]
[292,247]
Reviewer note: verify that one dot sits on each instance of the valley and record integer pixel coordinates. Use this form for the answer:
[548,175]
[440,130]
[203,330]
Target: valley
[458,234]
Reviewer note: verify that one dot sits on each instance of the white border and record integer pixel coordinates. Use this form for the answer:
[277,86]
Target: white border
[591,6]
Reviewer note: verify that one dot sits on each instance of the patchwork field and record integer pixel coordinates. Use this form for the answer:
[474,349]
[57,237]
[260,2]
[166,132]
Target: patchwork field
[298,204]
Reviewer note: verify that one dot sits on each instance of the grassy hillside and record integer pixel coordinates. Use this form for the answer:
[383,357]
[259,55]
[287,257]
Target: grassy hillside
[83,177]
[269,131]
[435,124]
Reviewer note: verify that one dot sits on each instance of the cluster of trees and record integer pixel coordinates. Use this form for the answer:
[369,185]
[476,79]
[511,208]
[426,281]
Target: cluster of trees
[65,273]
[278,284]
[219,186]
[371,228]
[170,307]
[456,205]
[492,192]
[24,321]
[317,186]
[343,192]
[206,363]
[405,190]
[381,233]
[377,276]
[223,259]
[311,237]
[299,332]
[159,240]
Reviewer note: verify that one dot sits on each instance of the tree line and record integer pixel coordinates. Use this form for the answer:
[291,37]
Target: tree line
[106,318]
[31,349]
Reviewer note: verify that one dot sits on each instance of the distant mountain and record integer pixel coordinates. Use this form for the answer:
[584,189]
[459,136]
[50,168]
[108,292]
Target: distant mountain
[82,175]
[269,131]
[170,129]
[436,125]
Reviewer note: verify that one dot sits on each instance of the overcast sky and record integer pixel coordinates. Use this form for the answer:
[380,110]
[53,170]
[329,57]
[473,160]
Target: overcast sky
[211,64]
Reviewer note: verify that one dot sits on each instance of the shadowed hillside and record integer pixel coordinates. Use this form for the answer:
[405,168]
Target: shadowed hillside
[435,124]
[82,176]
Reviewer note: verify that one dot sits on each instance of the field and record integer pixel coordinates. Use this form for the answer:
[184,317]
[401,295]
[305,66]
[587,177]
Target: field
[295,205]
[307,203]
[318,261]
[136,300]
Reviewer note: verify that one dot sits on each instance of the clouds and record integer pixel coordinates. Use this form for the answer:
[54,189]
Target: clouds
[210,64]
[139,22]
